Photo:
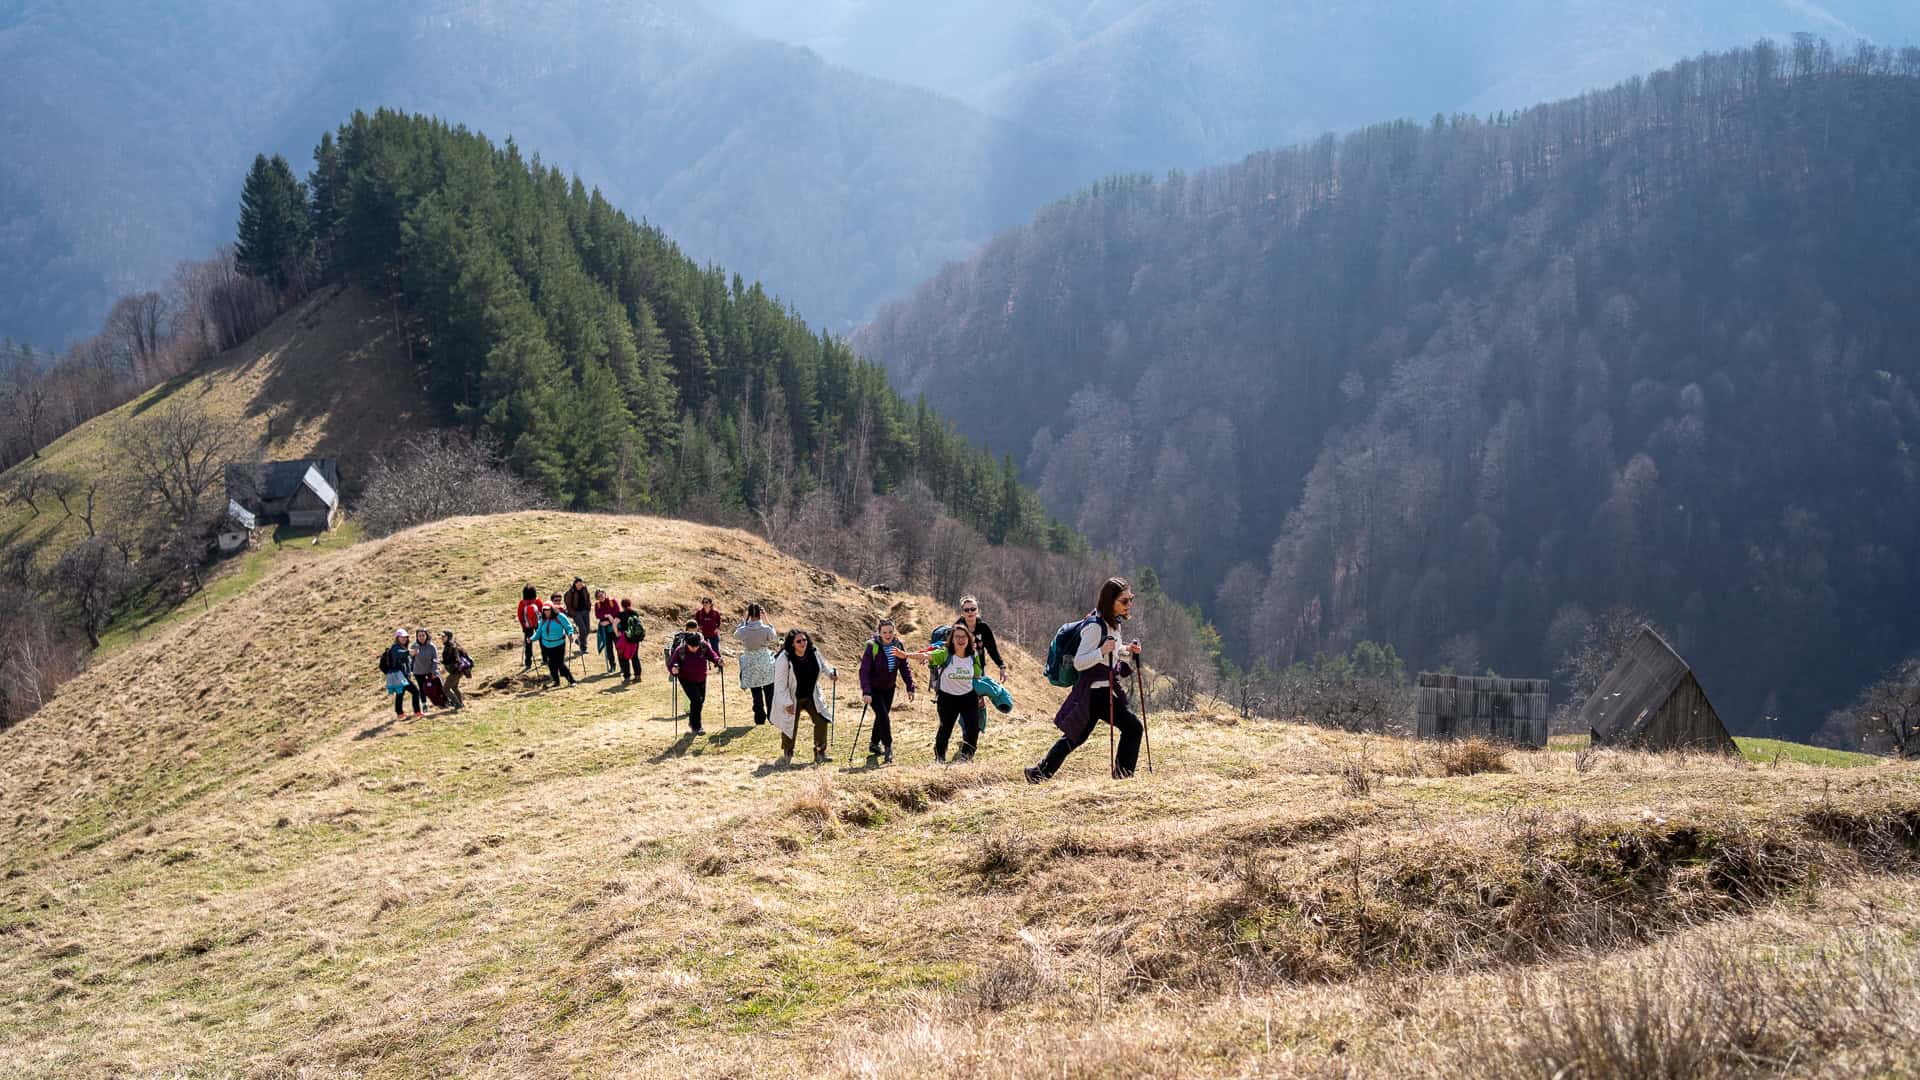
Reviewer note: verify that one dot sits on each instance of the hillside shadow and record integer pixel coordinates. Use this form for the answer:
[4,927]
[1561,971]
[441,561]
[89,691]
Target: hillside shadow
[376,730]
[727,735]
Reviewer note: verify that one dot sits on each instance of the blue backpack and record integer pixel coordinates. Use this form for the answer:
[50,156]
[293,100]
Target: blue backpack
[938,639]
[1066,645]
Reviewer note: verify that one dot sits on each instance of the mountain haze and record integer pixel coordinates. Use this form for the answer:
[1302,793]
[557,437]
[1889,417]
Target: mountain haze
[1460,386]
[835,189]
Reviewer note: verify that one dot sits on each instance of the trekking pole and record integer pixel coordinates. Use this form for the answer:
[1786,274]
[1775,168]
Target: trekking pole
[1113,757]
[723,698]
[856,731]
[1146,733]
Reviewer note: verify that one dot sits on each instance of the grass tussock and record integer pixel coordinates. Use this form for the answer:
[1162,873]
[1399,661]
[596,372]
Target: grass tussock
[1469,757]
[1708,1016]
[921,791]
[1517,893]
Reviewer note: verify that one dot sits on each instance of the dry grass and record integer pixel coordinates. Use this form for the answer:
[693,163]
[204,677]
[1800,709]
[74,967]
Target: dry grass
[283,882]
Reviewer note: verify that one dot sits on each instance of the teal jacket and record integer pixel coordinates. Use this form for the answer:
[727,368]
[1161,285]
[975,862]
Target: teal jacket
[554,632]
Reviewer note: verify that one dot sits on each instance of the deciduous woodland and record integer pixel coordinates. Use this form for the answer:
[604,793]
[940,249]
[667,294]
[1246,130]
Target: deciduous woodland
[1460,385]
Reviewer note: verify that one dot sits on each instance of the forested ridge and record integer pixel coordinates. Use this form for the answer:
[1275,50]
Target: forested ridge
[1460,385]
[613,370]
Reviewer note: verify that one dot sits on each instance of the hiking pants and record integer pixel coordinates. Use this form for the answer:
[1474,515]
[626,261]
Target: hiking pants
[581,622]
[800,709]
[882,740]
[696,699]
[1125,758]
[451,684]
[964,708]
[526,658]
[412,688]
[556,658]
[630,667]
[762,702]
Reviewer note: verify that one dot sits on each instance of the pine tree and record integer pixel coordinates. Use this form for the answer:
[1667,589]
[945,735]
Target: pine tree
[275,237]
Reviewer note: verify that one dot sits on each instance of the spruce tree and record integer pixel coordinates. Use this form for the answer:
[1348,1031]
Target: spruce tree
[275,238]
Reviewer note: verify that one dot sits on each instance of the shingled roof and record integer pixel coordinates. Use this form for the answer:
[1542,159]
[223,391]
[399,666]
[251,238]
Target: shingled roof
[1651,700]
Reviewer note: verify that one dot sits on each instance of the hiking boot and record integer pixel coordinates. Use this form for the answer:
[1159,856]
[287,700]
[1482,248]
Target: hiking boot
[874,751]
[820,757]
[1034,775]
[888,759]
[1123,774]
[417,714]
[786,761]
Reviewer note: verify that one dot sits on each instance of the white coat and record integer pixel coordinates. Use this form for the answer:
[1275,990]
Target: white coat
[785,683]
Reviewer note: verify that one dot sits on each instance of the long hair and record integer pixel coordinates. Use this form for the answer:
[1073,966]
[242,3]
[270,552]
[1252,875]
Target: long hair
[1109,597]
[754,613]
[529,593]
[813,650]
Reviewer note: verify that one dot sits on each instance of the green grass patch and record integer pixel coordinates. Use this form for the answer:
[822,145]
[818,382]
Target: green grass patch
[1766,751]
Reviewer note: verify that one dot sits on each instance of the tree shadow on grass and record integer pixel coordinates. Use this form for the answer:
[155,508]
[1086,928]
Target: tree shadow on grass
[376,730]
[729,734]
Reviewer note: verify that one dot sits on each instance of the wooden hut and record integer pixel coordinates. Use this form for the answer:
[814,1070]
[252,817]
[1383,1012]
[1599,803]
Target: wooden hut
[237,528]
[1463,706]
[303,494]
[1652,701]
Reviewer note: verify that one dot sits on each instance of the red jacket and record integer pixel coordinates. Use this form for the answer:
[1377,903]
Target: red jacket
[529,614]
[689,662]
[708,622]
[608,610]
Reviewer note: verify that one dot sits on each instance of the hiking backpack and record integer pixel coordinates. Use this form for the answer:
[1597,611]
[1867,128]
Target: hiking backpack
[938,640]
[630,629]
[1065,646]
[464,664]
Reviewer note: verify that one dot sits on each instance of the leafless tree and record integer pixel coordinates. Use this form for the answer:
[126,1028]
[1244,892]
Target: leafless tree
[137,325]
[25,488]
[34,658]
[1885,718]
[1601,646]
[436,475]
[28,407]
[174,459]
[63,486]
[92,578]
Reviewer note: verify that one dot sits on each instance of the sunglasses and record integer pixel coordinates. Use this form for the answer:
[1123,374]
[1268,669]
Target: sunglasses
[968,610]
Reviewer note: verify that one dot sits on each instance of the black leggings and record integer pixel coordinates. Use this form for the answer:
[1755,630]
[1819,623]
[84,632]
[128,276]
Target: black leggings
[762,703]
[882,720]
[1099,701]
[630,666]
[696,700]
[964,708]
[412,688]
[526,658]
[556,657]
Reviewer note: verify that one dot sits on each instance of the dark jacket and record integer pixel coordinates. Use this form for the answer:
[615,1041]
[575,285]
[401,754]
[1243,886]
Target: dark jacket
[691,660]
[708,622]
[1073,719]
[983,641]
[873,669]
[397,658]
[580,599]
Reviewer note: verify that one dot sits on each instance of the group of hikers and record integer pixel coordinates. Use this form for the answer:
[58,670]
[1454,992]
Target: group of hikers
[787,677]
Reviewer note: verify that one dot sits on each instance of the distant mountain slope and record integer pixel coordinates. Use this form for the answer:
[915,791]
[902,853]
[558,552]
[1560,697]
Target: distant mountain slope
[1187,83]
[1456,386]
[133,124]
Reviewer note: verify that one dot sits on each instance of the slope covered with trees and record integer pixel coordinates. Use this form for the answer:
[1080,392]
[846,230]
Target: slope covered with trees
[614,370]
[1457,386]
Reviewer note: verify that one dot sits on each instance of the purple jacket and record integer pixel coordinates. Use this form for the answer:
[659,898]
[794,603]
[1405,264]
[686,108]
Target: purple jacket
[873,669]
[692,662]
[1073,719]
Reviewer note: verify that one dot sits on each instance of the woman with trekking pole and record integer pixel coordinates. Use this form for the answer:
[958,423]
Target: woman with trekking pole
[757,637]
[1104,661]
[883,664]
[554,633]
[797,688]
[688,663]
[528,616]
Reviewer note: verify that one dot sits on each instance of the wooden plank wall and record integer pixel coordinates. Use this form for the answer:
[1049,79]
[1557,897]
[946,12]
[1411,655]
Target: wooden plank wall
[1463,706]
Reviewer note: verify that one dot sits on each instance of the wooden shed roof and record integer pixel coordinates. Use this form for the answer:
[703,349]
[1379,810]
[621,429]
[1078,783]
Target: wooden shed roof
[1638,688]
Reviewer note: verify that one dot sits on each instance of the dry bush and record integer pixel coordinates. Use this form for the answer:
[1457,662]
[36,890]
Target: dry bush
[1468,757]
[440,474]
[813,807]
[1712,1015]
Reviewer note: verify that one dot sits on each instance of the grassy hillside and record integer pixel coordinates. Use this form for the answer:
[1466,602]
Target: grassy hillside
[218,854]
[327,379]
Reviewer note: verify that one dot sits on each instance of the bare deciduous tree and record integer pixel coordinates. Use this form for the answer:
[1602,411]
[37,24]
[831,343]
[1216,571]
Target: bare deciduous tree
[1885,718]
[63,486]
[137,327]
[91,579]
[440,474]
[174,459]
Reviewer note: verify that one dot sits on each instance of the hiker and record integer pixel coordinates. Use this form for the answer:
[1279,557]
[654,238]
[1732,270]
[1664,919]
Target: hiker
[556,630]
[1098,691]
[708,619]
[881,662]
[982,633]
[528,615]
[689,664]
[757,638]
[954,665]
[627,642]
[579,608]
[796,689]
[605,611]
[458,664]
[426,668]
[396,663]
